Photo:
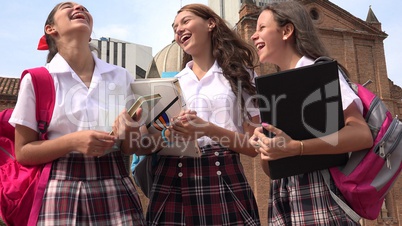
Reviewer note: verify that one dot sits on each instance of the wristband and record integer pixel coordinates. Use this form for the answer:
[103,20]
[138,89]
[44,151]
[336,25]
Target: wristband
[164,137]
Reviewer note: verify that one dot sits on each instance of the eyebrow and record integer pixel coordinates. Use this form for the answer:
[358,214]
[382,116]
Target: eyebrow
[65,3]
[72,4]
[185,17]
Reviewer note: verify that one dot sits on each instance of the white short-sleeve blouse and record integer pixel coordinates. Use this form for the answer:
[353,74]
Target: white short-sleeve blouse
[77,107]
[348,96]
[213,99]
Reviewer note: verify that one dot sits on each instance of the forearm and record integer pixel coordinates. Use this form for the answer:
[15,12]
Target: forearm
[265,166]
[39,152]
[144,144]
[340,142]
[235,141]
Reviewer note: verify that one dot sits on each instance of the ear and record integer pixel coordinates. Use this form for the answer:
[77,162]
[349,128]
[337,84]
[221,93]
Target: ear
[288,31]
[211,24]
[49,29]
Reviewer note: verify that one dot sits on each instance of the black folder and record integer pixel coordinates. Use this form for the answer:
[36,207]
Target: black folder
[305,103]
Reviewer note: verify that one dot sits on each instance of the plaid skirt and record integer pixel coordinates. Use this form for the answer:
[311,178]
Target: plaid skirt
[305,200]
[90,191]
[210,190]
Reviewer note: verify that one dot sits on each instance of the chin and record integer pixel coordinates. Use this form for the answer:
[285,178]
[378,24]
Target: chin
[262,60]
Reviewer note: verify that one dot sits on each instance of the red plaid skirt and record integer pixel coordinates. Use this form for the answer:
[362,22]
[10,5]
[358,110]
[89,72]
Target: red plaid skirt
[305,200]
[210,190]
[90,191]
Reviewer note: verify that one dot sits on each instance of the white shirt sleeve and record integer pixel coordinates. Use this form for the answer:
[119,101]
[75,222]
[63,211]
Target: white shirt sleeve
[24,111]
[348,95]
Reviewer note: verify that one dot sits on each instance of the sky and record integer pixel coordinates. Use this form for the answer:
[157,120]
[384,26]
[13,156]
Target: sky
[148,22]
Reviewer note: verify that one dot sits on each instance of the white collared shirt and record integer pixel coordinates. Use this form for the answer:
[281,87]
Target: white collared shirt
[348,96]
[77,107]
[213,99]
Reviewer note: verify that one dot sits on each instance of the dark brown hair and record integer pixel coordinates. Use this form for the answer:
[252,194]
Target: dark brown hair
[235,56]
[49,39]
[306,37]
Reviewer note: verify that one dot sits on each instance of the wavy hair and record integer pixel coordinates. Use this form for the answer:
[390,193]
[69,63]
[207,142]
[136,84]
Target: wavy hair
[235,56]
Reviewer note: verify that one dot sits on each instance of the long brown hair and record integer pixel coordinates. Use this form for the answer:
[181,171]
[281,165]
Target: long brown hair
[235,56]
[306,37]
[49,39]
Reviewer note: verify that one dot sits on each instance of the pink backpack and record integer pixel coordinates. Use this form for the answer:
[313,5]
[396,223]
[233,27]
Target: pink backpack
[369,174]
[22,187]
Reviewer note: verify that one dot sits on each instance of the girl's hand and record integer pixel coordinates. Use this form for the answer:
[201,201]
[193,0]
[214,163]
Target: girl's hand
[183,116]
[277,147]
[187,126]
[92,143]
[124,125]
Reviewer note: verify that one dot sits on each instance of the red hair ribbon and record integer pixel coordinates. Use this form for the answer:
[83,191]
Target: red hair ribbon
[42,45]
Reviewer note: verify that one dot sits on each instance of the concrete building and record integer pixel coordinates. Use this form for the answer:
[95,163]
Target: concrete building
[134,57]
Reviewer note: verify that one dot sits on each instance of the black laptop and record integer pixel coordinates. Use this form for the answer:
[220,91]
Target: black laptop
[305,103]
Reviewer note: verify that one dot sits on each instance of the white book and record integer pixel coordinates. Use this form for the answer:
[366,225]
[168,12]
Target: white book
[169,106]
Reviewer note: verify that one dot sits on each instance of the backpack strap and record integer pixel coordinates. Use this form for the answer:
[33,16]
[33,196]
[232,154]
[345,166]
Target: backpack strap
[325,173]
[345,207]
[40,192]
[325,58]
[45,97]
[45,100]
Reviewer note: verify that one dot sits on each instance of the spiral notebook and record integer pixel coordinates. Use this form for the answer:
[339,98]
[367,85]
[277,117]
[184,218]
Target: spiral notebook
[305,103]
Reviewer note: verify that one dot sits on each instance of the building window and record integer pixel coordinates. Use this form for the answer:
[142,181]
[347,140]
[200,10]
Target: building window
[115,52]
[100,46]
[108,52]
[314,14]
[139,71]
[123,52]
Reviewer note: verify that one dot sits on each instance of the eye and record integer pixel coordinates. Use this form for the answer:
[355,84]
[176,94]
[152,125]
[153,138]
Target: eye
[66,6]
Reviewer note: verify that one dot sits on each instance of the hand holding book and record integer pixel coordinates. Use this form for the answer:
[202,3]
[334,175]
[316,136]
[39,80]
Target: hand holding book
[187,125]
[170,106]
[135,111]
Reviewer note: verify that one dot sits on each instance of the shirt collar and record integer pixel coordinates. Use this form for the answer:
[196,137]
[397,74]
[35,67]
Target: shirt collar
[59,65]
[188,69]
[304,61]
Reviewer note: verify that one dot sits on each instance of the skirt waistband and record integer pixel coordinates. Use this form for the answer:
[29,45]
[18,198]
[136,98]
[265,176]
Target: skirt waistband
[76,166]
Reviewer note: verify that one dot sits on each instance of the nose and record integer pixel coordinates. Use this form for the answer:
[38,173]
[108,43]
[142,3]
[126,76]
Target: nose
[254,36]
[79,7]
[179,29]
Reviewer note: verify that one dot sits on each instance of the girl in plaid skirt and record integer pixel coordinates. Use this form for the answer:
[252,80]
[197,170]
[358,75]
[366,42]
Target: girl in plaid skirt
[216,83]
[285,36]
[88,184]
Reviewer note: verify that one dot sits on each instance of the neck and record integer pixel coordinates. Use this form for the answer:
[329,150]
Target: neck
[81,62]
[202,64]
[289,62]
